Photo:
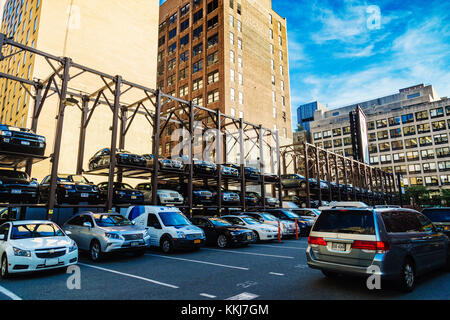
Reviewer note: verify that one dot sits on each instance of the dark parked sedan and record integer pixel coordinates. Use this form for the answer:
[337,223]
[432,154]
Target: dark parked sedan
[440,218]
[229,172]
[201,196]
[70,188]
[123,193]
[251,173]
[293,181]
[228,197]
[204,167]
[164,164]
[17,187]
[222,233]
[21,140]
[102,157]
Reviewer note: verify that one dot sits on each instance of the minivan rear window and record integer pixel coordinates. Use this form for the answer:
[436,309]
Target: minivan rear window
[346,221]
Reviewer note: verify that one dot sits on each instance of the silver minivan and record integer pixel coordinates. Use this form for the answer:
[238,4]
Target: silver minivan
[101,233]
[394,243]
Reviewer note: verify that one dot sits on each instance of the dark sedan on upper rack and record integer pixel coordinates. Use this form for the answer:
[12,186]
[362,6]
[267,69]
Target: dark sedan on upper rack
[102,157]
[70,188]
[17,187]
[21,140]
[228,197]
[204,167]
[271,177]
[251,173]
[229,172]
[122,193]
[269,201]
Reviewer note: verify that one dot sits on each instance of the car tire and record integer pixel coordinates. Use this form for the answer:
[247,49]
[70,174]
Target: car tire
[407,279]
[95,251]
[166,245]
[222,241]
[4,274]
[256,236]
[330,274]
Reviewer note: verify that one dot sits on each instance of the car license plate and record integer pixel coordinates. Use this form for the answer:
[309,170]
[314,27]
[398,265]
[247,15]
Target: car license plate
[338,246]
[85,195]
[16,191]
[51,262]
[133,197]
[207,198]
[25,143]
[197,241]
[135,243]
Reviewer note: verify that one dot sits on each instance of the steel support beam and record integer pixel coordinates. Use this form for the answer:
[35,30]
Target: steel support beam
[156,142]
[82,139]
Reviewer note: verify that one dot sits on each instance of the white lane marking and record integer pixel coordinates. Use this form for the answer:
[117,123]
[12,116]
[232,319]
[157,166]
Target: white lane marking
[130,275]
[273,246]
[243,296]
[8,293]
[276,274]
[197,261]
[250,253]
[208,295]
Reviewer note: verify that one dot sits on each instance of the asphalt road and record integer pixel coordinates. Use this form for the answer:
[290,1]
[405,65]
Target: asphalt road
[267,271]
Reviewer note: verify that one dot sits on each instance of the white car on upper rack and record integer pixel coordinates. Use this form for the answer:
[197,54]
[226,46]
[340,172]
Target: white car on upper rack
[261,231]
[32,245]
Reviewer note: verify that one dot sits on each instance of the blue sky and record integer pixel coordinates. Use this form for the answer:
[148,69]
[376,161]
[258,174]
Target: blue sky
[338,58]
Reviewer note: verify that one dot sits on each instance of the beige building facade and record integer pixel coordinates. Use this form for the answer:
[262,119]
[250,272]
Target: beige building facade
[113,36]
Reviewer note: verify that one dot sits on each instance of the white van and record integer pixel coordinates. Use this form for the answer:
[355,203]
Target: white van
[168,228]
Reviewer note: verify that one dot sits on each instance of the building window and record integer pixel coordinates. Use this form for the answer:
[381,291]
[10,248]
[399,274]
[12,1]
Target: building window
[412,156]
[232,75]
[197,32]
[171,80]
[184,90]
[429,167]
[397,145]
[327,144]
[381,123]
[185,9]
[399,157]
[213,77]
[337,143]
[326,134]
[400,169]
[443,152]
[241,79]
[408,131]
[231,38]
[213,22]
[213,58]
[239,8]
[411,143]
[394,121]
[197,84]
[173,18]
[348,141]
[346,130]
[213,5]
[416,181]
[239,25]
[161,41]
[423,128]
[385,159]
[414,169]
[436,113]
[337,132]
[197,66]
[198,15]
[198,49]
[440,139]
[239,43]
[316,135]
[184,57]
[444,166]
[231,21]
[372,136]
[183,73]
[385,146]
[184,25]
[198,101]
[239,61]
[395,133]
[213,96]
[439,125]
[425,141]
[382,135]
[213,40]
[232,94]
[231,56]
[421,115]
[407,118]
[172,48]
[427,154]
[445,180]
[171,64]
[184,41]
[241,98]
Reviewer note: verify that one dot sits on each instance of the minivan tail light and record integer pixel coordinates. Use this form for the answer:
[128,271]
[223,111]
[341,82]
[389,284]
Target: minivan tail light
[317,240]
[378,246]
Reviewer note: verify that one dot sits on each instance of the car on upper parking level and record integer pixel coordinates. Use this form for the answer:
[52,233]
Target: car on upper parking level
[204,167]
[269,201]
[440,218]
[165,196]
[261,231]
[393,243]
[70,188]
[293,180]
[21,140]
[229,172]
[228,197]
[33,245]
[103,233]
[164,164]
[251,173]
[222,233]
[122,193]
[17,187]
[101,159]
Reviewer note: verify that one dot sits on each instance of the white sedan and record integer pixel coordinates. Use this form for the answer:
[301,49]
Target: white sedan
[260,230]
[32,245]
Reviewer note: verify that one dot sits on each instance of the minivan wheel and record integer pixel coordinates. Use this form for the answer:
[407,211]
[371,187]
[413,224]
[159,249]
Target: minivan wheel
[330,274]
[222,241]
[407,279]
[256,236]
[95,251]
[166,245]
[4,267]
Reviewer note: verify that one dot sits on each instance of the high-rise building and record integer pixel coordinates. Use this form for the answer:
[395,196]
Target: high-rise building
[229,55]
[408,133]
[305,114]
[113,36]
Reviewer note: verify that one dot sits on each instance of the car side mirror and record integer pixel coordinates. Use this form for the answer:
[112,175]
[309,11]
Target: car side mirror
[2,237]
[87,224]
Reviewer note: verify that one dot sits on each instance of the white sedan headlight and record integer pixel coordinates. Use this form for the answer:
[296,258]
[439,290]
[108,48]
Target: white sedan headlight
[113,236]
[181,234]
[21,253]
[73,247]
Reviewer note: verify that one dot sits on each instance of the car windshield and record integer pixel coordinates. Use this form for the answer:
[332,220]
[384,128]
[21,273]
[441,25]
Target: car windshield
[290,214]
[122,186]
[219,222]
[13,174]
[73,178]
[437,215]
[35,230]
[173,219]
[250,220]
[269,217]
[103,220]
[346,221]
